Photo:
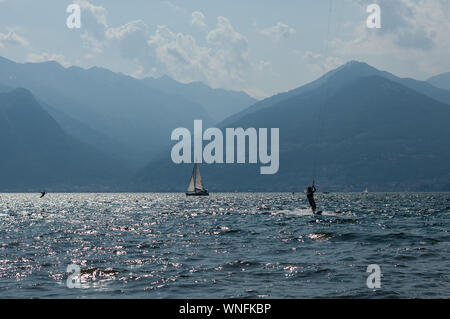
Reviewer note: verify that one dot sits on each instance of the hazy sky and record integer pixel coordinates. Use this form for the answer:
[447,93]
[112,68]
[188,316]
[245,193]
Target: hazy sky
[260,46]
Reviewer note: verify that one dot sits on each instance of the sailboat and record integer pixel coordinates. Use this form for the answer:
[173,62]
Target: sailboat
[366,191]
[196,187]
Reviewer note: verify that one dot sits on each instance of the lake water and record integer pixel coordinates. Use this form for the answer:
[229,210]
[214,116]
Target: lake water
[228,245]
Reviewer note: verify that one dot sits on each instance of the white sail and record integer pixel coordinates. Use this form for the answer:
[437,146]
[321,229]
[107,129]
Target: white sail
[198,179]
[191,187]
[196,187]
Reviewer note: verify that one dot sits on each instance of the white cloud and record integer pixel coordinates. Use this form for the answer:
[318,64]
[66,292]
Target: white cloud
[222,64]
[12,38]
[224,33]
[278,31]
[95,14]
[256,93]
[412,31]
[178,55]
[43,57]
[130,39]
[122,31]
[319,64]
[93,25]
[231,45]
[198,19]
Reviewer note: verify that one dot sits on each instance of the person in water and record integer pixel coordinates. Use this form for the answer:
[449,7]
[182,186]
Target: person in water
[310,195]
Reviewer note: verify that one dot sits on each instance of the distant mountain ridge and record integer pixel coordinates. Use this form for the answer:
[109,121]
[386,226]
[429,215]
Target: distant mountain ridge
[120,109]
[78,130]
[373,131]
[123,116]
[118,106]
[347,73]
[38,155]
[441,81]
[219,103]
[87,134]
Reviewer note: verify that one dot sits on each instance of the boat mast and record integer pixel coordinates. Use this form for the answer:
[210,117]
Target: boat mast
[194,173]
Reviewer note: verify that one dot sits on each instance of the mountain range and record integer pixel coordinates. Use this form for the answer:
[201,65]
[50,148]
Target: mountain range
[219,103]
[336,79]
[38,155]
[74,129]
[353,127]
[122,116]
[441,81]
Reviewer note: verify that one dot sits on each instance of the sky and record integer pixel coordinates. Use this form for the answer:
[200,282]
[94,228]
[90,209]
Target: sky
[260,47]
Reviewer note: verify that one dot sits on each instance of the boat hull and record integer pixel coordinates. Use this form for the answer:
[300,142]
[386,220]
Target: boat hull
[205,193]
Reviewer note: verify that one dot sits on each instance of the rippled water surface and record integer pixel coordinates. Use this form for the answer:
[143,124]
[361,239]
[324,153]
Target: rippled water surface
[227,245]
